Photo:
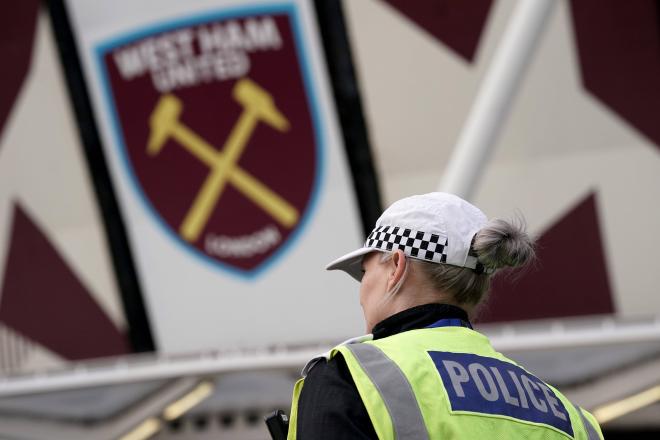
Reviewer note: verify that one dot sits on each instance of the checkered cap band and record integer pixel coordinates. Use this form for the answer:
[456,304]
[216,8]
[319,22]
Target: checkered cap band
[416,244]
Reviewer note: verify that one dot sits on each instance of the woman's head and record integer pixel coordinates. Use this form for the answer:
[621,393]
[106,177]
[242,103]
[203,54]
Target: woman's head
[432,248]
[499,244]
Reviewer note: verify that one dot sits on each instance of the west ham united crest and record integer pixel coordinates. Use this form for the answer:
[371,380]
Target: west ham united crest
[216,123]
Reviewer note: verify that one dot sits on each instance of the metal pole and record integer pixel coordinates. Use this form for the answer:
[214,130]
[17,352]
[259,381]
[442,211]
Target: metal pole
[493,102]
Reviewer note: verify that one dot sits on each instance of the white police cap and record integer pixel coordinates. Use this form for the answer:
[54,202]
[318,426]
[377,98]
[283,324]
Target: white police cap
[435,227]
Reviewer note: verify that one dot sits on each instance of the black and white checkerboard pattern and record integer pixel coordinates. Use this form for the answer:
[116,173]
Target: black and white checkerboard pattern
[416,244]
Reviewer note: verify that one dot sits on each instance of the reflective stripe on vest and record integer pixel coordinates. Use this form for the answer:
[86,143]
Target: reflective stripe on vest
[394,389]
[591,431]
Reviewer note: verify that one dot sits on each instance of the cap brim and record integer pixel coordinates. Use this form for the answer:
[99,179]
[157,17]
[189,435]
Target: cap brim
[351,263]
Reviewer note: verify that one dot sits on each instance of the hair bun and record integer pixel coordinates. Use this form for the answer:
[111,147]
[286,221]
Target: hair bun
[501,243]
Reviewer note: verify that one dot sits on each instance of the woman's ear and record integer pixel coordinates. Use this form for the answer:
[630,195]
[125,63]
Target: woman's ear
[396,269]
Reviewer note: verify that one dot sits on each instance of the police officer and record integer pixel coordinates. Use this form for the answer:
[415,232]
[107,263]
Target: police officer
[422,372]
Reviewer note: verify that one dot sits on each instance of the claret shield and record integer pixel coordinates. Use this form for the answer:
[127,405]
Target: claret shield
[215,121]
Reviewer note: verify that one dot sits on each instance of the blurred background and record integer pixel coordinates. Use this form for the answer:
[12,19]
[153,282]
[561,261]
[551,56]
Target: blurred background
[140,298]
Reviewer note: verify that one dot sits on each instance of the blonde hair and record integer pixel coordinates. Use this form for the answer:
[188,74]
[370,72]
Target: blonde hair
[500,243]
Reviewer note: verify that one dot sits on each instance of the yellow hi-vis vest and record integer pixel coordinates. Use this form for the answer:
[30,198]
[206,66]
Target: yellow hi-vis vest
[449,383]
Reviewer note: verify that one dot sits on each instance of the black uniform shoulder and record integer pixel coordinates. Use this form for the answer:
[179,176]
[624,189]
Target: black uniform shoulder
[330,406]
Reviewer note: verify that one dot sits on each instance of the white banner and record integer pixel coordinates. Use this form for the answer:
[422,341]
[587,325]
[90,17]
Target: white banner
[220,133]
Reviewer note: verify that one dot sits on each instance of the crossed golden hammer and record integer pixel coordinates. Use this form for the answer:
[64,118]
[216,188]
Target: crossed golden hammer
[257,106]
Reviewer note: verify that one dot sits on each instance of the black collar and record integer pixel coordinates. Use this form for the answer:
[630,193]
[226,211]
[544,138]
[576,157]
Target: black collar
[416,318]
